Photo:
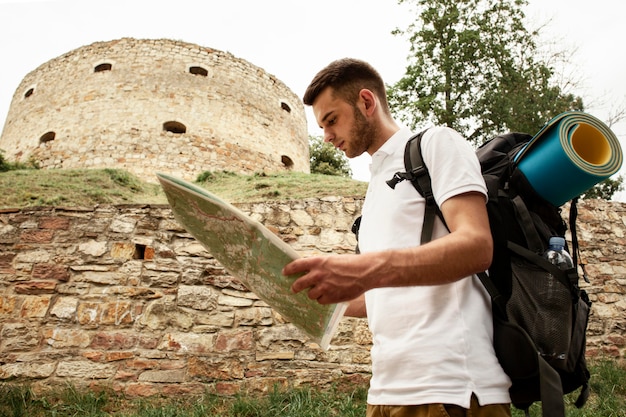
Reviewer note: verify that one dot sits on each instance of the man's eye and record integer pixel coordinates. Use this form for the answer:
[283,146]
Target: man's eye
[332,121]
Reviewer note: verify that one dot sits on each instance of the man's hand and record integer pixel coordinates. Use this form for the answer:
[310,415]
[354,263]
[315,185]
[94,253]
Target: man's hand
[329,279]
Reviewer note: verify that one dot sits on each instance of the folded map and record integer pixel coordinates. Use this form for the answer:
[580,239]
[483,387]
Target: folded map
[252,254]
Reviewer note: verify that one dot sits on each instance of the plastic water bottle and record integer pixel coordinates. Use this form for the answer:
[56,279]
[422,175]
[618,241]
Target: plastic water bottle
[554,307]
[557,255]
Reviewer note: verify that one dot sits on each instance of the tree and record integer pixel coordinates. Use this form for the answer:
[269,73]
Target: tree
[473,67]
[325,159]
[605,189]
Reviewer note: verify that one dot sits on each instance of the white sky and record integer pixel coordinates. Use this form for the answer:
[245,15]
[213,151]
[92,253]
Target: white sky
[293,39]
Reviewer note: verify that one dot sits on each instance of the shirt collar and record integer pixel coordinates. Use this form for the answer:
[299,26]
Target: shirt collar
[390,146]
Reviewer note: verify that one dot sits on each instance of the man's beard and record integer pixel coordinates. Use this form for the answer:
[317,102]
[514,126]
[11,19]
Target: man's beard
[362,135]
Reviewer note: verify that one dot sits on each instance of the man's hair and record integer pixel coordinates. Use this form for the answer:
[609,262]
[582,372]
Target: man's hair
[347,77]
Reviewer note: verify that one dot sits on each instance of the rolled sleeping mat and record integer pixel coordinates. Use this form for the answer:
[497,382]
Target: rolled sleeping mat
[568,156]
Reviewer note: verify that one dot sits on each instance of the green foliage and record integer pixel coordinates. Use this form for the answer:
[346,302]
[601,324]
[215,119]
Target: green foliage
[473,66]
[210,176]
[87,187]
[326,159]
[12,166]
[15,401]
[303,402]
[606,189]
[4,165]
[278,186]
[608,399]
[19,401]
[608,393]
[125,179]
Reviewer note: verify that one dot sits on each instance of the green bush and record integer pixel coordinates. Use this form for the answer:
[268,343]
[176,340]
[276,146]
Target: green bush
[12,166]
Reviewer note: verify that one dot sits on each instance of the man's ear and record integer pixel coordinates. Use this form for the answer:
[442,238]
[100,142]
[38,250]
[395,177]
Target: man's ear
[368,101]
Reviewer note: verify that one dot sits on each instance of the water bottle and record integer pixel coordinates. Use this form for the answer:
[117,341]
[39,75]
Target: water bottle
[557,255]
[552,343]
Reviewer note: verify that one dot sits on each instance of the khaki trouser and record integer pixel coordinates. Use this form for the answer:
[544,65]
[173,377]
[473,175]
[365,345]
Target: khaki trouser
[439,410]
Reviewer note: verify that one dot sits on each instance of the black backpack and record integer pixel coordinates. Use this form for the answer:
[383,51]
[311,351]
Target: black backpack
[540,313]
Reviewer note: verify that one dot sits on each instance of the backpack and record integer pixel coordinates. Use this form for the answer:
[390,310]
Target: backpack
[540,314]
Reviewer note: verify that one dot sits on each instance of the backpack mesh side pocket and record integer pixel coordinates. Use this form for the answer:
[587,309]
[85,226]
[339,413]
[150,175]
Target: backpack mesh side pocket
[542,305]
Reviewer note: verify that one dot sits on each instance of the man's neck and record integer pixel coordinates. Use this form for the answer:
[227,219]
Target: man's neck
[387,130]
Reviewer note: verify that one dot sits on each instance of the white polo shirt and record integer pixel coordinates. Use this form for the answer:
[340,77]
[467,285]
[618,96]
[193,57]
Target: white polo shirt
[431,344]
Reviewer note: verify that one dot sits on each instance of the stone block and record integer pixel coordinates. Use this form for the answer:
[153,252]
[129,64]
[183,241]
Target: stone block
[188,343]
[116,313]
[66,338]
[102,278]
[56,223]
[227,300]
[27,370]
[64,308]
[93,248]
[118,356]
[124,226]
[35,306]
[85,369]
[6,263]
[168,376]
[123,250]
[215,368]
[161,315]
[268,356]
[49,271]
[197,297]
[36,236]
[7,305]
[234,341]
[113,341]
[141,390]
[18,337]
[35,287]
[254,316]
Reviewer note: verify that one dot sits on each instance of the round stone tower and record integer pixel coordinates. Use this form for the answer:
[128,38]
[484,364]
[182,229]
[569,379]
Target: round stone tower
[151,106]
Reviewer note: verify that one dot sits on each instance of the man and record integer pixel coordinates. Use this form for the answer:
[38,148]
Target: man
[430,318]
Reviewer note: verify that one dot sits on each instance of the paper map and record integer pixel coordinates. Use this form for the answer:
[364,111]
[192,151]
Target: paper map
[251,253]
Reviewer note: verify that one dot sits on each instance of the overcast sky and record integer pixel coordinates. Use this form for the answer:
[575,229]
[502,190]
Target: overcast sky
[293,39]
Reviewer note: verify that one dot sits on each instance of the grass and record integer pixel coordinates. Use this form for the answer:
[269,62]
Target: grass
[608,399]
[90,187]
[279,186]
[19,401]
[83,188]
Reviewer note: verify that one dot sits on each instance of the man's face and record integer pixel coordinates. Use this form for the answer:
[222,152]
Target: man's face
[344,125]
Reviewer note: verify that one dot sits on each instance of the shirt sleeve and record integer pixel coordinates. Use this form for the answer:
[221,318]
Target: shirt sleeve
[452,163]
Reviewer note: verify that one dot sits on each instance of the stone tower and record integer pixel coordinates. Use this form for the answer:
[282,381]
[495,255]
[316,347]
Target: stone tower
[155,106]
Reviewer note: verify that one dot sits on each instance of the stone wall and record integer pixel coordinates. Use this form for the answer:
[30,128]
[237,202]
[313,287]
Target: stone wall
[121,296]
[147,105]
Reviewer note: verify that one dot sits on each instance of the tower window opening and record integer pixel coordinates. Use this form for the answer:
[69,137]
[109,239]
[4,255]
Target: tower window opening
[103,67]
[47,137]
[198,71]
[287,161]
[174,127]
[285,107]
[29,92]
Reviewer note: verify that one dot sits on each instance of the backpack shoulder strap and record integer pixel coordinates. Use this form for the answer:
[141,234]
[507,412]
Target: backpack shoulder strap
[417,173]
